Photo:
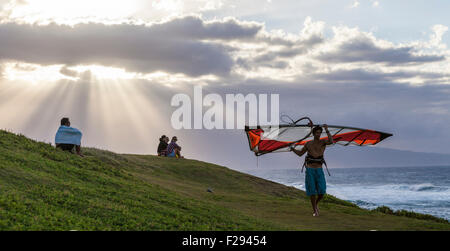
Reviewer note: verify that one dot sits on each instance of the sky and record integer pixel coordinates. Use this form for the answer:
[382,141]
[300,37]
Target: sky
[113,67]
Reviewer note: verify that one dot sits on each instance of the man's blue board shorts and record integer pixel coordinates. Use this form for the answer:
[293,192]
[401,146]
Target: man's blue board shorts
[315,181]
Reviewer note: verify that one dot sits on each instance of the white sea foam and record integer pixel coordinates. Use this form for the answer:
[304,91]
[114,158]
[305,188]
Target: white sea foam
[422,190]
[422,198]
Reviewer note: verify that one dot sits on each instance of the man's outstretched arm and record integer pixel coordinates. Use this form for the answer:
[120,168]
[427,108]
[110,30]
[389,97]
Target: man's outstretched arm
[299,153]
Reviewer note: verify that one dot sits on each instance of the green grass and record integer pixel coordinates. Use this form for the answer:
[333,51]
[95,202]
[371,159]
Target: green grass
[42,188]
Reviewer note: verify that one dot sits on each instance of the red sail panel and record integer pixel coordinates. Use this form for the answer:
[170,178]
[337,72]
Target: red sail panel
[358,137]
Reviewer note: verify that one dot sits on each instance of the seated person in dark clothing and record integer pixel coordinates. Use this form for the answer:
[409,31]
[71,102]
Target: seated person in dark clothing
[162,147]
[67,137]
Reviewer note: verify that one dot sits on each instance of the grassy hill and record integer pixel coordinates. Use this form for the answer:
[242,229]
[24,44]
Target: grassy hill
[42,188]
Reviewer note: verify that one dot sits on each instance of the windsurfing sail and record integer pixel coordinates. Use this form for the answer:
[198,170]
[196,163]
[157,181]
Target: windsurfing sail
[268,139]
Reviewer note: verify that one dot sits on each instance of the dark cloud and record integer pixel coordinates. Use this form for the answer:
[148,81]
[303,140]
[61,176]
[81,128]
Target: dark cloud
[174,46]
[193,27]
[279,58]
[363,49]
[304,42]
[362,75]
[284,53]
[68,72]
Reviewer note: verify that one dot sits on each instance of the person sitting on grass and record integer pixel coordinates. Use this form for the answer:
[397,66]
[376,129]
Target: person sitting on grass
[162,147]
[67,137]
[174,150]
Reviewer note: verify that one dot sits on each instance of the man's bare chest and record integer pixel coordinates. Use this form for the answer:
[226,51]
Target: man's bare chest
[316,149]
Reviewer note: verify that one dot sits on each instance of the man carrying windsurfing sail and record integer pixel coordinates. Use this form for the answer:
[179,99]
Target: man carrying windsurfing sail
[315,182]
[264,139]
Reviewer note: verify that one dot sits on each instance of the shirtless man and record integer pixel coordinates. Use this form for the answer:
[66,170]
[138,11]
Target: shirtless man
[314,177]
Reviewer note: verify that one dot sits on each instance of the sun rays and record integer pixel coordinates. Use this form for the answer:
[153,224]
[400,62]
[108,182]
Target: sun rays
[113,108]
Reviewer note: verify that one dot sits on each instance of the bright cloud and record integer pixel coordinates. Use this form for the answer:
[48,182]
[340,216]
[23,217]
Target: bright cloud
[67,12]
[32,73]
[355,4]
[72,12]
[436,38]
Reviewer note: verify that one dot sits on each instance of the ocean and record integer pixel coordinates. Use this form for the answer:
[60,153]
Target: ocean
[418,189]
